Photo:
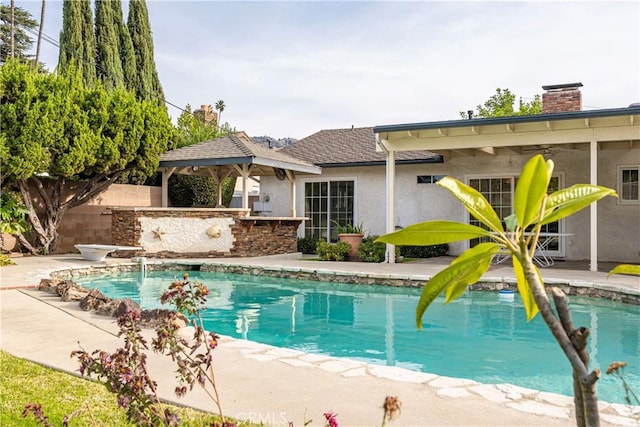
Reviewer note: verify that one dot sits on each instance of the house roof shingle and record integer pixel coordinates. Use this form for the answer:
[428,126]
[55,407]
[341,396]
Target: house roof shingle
[232,150]
[349,147]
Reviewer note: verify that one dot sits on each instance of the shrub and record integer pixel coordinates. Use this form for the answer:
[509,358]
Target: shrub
[307,245]
[431,251]
[13,213]
[193,190]
[371,251]
[333,251]
[349,228]
[5,260]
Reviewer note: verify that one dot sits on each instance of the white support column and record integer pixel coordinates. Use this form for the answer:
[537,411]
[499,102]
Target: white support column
[166,173]
[244,171]
[245,189]
[391,201]
[593,225]
[217,178]
[292,196]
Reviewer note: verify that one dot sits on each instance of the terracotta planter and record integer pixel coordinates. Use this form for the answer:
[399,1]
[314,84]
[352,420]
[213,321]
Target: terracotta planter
[9,243]
[354,239]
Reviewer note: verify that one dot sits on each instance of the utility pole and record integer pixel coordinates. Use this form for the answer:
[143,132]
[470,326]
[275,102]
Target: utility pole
[13,26]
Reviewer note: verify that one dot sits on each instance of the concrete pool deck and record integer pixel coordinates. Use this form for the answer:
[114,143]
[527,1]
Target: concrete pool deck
[277,386]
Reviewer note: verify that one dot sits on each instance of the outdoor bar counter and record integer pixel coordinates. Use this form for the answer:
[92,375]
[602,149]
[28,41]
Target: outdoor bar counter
[202,232]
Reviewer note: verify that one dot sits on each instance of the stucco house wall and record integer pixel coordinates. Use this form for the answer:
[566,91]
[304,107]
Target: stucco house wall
[619,224]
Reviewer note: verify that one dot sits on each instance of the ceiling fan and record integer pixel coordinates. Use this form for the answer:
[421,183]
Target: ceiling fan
[548,149]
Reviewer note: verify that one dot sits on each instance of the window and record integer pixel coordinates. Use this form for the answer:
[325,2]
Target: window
[628,178]
[325,202]
[499,191]
[429,179]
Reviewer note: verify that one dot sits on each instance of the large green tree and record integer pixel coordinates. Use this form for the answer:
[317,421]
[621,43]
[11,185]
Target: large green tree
[63,143]
[22,41]
[77,40]
[108,61]
[147,85]
[501,104]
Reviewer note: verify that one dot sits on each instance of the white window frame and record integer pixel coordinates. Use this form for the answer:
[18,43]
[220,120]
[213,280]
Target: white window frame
[560,253]
[328,180]
[622,201]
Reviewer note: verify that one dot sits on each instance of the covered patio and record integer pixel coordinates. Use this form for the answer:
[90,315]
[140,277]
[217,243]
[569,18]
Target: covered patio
[588,146]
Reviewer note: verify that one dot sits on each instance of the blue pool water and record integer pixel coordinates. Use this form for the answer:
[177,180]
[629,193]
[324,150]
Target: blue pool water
[477,336]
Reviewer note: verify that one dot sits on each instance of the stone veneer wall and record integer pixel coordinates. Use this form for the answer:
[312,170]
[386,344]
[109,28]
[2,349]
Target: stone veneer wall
[252,237]
[313,273]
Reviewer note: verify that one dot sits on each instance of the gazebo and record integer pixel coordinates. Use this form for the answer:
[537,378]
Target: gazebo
[173,232]
[232,155]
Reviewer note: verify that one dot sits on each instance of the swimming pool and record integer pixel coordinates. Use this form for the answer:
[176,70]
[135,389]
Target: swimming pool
[477,336]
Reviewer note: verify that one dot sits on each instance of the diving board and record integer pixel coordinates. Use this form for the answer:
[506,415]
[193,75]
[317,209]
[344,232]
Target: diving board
[100,252]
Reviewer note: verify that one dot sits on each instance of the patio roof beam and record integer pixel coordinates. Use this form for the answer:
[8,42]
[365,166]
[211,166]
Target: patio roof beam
[464,152]
[488,150]
[558,136]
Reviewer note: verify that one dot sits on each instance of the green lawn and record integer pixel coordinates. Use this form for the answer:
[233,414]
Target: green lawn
[60,394]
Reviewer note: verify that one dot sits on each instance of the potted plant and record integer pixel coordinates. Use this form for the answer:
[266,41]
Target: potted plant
[352,234]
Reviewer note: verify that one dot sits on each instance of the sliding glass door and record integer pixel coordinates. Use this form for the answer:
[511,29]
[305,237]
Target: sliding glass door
[325,202]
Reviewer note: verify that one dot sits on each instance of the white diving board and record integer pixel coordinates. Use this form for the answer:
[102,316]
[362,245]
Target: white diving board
[100,252]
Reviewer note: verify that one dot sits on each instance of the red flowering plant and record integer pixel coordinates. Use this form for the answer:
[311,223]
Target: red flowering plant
[331,419]
[192,353]
[125,373]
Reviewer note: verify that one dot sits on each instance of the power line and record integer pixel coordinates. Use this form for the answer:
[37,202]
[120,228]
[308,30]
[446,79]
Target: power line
[54,42]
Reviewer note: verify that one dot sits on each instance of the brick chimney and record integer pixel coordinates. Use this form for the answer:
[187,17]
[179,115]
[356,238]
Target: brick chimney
[206,113]
[562,98]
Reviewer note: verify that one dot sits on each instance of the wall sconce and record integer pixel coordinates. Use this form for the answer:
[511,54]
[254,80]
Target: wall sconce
[195,168]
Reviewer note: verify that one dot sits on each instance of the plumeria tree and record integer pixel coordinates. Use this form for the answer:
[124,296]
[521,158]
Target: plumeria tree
[516,235]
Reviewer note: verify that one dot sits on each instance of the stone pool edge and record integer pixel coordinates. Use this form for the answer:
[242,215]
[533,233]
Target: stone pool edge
[570,287]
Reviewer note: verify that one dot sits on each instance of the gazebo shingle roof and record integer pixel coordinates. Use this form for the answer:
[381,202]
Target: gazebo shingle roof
[349,147]
[230,150]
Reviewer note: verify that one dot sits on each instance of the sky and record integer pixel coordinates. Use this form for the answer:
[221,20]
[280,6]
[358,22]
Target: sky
[290,69]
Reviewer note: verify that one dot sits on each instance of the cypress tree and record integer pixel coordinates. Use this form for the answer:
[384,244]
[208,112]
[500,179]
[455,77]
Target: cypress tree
[77,41]
[108,63]
[127,55]
[148,85]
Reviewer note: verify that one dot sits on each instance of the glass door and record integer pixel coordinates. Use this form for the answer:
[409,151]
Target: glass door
[325,202]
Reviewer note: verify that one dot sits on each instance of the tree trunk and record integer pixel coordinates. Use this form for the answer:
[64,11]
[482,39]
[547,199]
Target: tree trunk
[12,30]
[587,397]
[585,394]
[40,34]
[51,192]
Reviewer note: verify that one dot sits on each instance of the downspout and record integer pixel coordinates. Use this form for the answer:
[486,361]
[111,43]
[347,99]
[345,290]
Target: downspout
[390,255]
